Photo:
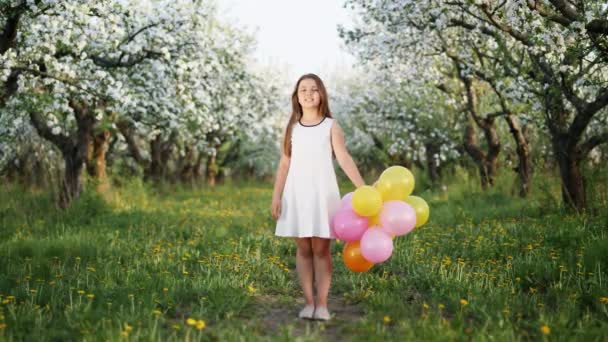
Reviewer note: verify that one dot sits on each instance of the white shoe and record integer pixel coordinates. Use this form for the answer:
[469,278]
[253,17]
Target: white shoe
[307,312]
[321,313]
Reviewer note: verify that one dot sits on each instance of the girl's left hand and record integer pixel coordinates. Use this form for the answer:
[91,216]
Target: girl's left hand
[276,208]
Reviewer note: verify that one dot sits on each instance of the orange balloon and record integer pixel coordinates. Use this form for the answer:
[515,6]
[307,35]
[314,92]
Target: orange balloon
[351,255]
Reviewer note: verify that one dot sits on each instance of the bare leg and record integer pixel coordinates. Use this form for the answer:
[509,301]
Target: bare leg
[304,266]
[322,268]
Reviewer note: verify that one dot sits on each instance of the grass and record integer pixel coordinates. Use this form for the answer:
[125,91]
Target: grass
[486,266]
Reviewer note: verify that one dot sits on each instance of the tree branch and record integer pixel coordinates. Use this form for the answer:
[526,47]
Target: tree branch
[544,12]
[581,120]
[566,9]
[592,142]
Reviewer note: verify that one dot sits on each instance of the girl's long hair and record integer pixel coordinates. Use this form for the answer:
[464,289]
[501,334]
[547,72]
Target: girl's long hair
[296,108]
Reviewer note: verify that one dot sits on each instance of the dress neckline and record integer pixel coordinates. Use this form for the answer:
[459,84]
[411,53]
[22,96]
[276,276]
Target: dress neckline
[317,124]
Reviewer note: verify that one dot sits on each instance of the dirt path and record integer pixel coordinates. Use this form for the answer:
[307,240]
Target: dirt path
[280,315]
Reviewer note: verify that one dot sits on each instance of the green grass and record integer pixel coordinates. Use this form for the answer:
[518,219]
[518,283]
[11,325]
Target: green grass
[486,266]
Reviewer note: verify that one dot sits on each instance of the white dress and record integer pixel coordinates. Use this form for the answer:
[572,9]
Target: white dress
[311,195]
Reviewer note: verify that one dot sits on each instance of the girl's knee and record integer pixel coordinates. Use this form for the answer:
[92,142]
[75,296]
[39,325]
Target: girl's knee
[304,247]
[320,247]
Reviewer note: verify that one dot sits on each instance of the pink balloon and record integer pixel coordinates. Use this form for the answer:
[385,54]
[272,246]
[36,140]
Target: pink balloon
[348,226]
[376,245]
[347,201]
[386,230]
[398,217]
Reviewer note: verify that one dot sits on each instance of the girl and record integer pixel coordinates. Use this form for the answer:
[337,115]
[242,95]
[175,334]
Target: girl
[306,192]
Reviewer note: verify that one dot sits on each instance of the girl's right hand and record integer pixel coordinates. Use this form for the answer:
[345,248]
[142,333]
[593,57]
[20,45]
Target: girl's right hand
[276,208]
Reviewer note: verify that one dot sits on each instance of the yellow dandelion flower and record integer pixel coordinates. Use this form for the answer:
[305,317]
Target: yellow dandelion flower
[425,305]
[200,324]
[128,328]
[464,302]
[90,296]
[156,312]
[545,329]
[604,300]
[80,292]
[387,319]
[441,306]
[251,289]
[6,301]
[191,321]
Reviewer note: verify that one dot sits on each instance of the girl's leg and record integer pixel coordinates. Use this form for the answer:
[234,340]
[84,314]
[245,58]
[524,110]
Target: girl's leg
[322,268]
[304,266]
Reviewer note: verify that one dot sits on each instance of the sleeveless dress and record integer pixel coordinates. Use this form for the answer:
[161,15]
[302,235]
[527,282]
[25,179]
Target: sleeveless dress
[311,195]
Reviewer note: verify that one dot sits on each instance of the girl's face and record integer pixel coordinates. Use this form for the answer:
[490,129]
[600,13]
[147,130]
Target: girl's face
[308,94]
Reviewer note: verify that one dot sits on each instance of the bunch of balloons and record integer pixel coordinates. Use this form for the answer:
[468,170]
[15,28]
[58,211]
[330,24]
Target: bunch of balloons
[372,216]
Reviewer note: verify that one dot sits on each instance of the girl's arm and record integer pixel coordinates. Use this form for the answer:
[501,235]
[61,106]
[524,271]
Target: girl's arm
[344,159]
[279,184]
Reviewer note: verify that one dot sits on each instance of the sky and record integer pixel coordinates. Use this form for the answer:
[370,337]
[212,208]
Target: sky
[297,36]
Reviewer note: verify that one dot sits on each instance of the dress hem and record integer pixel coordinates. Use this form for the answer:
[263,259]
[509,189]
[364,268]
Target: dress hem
[307,236]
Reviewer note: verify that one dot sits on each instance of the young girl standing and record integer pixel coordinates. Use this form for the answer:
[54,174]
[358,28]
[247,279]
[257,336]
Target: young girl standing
[306,193]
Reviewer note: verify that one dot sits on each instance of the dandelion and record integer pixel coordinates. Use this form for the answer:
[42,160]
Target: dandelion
[441,306]
[545,329]
[90,296]
[464,302]
[200,324]
[191,321]
[156,312]
[80,292]
[387,319]
[251,289]
[425,305]
[532,290]
[604,300]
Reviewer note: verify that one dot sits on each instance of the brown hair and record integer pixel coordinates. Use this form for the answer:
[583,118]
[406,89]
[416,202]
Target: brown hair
[296,108]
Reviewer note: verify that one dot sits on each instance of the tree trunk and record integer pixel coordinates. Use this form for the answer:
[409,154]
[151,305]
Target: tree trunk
[96,159]
[71,185]
[573,185]
[524,165]
[432,161]
[187,168]
[127,131]
[160,152]
[154,172]
[198,166]
[212,170]
[487,163]
[73,149]
[486,166]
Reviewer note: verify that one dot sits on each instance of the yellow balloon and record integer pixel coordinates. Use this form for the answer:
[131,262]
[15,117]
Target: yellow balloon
[374,220]
[421,208]
[367,201]
[395,183]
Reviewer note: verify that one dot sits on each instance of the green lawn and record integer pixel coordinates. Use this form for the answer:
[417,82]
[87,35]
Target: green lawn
[141,264]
